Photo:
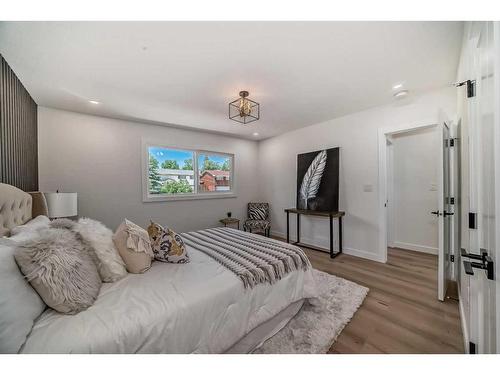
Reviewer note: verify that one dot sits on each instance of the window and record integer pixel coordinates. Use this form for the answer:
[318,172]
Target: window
[172,173]
[214,172]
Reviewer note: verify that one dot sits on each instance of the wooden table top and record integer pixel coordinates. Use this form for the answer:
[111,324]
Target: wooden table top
[315,213]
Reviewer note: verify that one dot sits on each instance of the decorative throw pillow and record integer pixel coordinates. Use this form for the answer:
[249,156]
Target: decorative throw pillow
[134,246]
[109,263]
[167,245]
[61,269]
[20,305]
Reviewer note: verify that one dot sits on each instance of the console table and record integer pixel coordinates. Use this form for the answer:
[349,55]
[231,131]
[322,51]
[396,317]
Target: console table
[329,214]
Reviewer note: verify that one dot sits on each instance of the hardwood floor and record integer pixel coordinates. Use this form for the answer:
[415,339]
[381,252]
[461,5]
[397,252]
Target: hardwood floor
[401,313]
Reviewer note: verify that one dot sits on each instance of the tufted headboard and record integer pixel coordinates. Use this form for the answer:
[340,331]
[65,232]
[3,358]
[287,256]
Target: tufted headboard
[18,207]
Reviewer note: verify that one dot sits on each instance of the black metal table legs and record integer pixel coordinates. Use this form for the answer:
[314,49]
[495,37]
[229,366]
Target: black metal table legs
[288,227]
[332,253]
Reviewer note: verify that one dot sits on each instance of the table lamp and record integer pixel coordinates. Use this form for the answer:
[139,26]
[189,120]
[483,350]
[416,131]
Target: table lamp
[61,204]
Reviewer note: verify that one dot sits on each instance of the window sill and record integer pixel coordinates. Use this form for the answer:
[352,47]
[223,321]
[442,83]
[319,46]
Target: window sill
[163,198]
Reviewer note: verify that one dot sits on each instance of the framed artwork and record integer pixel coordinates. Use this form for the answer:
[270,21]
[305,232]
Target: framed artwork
[318,180]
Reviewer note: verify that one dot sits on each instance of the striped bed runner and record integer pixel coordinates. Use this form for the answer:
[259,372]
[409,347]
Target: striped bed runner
[254,259]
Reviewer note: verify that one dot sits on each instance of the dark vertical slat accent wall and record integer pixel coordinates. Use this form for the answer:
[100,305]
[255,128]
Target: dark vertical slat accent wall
[18,132]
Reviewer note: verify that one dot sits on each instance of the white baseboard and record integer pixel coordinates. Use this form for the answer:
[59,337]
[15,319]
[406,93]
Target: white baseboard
[363,254]
[465,331]
[414,247]
[346,250]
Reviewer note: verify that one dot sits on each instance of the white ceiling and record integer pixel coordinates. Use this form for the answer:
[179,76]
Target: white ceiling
[185,73]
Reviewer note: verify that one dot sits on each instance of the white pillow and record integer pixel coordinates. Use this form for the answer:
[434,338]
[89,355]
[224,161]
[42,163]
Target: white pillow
[28,230]
[20,305]
[109,263]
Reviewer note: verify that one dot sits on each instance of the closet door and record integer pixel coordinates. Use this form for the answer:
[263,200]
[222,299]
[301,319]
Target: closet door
[478,287]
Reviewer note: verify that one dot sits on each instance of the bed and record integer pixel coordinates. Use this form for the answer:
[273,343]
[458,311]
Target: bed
[199,307]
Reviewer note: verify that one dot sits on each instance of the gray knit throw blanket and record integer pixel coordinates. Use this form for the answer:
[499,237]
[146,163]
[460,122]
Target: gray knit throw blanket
[254,259]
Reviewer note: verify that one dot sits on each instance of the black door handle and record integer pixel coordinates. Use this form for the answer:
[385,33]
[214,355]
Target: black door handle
[447,213]
[486,263]
[437,213]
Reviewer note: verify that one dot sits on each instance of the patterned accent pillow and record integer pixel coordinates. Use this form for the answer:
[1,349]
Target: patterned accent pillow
[167,245]
[257,212]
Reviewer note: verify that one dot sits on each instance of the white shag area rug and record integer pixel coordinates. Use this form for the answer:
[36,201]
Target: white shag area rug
[319,322]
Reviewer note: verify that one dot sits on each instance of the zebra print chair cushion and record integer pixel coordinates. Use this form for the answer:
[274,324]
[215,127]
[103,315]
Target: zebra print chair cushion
[258,211]
[257,224]
[258,218]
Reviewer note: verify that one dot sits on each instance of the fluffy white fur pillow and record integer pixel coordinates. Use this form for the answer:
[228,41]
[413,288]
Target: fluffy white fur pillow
[60,268]
[109,263]
[29,230]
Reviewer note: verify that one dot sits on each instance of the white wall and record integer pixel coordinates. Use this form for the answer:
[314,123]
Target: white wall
[415,178]
[356,134]
[100,158]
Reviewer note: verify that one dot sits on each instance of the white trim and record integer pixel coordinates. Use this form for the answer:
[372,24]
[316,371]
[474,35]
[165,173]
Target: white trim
[382,177]
[364,254]
[391,226]
[345,250]
[415,247]
[465,331]
[187,197]
[496,96]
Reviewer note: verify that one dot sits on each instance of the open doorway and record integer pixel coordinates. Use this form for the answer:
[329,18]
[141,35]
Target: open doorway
[412,194]
[416,201]
[412,191]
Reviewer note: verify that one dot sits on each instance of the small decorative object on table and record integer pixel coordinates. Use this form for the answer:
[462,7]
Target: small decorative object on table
[228,221]
[229,214]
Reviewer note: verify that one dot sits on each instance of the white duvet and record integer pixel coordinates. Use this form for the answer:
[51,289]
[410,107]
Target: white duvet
[199,307]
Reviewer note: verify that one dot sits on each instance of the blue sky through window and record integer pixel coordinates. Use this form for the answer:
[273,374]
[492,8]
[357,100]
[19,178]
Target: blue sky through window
[162,154]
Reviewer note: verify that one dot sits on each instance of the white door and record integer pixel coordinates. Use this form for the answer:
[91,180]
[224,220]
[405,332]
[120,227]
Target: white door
[444,210]
[477,289]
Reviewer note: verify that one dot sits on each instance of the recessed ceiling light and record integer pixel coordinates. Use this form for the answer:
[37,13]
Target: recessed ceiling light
[93,101]
[398,86]
[255,134]
[401,94]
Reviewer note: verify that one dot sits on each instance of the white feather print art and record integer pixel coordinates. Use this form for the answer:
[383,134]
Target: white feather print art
[312,178]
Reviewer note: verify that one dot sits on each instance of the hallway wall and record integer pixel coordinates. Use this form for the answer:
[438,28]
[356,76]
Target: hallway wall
[415,178]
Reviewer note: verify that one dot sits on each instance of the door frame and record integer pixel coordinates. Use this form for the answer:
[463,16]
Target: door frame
[496,126]
[383,133]
[390,191]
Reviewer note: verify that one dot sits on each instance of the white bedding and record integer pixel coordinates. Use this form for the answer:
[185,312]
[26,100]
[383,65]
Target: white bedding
[199,307]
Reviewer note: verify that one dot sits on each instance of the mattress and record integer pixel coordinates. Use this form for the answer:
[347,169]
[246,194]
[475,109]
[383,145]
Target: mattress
[198,307]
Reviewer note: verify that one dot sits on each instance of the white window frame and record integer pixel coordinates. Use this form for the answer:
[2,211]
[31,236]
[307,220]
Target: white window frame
[147,197]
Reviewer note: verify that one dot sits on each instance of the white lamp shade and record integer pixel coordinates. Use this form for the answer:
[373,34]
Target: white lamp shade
[61,204]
